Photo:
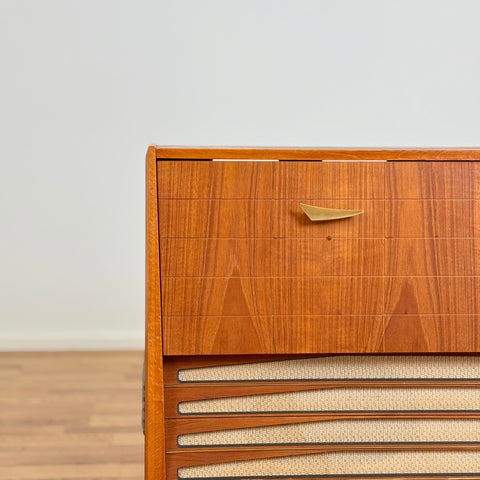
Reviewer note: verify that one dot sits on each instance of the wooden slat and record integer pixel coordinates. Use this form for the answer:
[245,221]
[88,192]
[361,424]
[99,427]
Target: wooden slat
[432,180]
[433,218]
[289,221]
[181,426]
[265,218]
[441,295]
[250,296]
[233,180]
[432,333]
[317,153]
[178,460]
[328,295]
[196,257]
[432,256]
[326,181]
[216,335]
[234,296]
[215,218]
[176,395]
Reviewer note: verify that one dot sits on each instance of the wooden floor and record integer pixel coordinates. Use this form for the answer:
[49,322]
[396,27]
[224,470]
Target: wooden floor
[71,415]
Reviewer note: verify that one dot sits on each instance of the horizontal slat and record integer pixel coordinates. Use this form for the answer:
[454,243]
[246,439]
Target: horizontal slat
[433,218]
[324,181]
[250,296]
[193,179]
[343,397]
[265,218]
[329,400]
[315,153]
[186,426]
[332,368]
[216,335]
[224,257]
[394,463]
[432,257]
[358,431]
[432,180]
[310,334]
[439,295]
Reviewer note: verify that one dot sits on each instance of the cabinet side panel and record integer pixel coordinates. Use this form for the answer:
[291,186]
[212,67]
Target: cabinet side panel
[154,411]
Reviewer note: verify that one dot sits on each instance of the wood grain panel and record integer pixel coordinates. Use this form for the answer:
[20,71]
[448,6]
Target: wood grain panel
[440,295]
[432,218]
[307,257]
[234,180]
[432,333]
[217,335]
[432,256]
[234,296]
[432,180]
[327,334]
[289,220]
[264,257]
[326,181]
[215,218]
[225,257]
[315,153]
[328,295]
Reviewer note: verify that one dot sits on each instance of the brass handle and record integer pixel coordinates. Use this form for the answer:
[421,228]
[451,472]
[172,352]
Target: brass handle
[319,214]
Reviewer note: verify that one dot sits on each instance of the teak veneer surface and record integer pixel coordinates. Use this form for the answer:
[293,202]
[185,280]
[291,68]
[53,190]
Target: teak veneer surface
[245,271]
[314,153]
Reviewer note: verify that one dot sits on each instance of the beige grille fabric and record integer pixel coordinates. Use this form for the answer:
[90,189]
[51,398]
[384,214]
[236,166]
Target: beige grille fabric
[342,431]
[344,463]
[343,400]
[341,367]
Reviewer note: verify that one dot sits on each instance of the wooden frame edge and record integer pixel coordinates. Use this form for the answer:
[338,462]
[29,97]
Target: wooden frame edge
[314,153]
[154,403]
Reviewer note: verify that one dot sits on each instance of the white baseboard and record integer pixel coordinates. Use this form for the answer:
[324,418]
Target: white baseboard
[94,341]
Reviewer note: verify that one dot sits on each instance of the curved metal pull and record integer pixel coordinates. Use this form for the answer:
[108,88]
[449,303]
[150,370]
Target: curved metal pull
[319,214]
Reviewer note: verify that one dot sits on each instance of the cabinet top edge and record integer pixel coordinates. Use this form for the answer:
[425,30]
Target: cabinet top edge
[316,153]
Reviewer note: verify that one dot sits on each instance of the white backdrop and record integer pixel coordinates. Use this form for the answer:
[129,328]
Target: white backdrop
[86,85]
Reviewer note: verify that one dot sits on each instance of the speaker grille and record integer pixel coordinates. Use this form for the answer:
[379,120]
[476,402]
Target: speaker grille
[447,463]
[342,400]
[348,367]
[342,432]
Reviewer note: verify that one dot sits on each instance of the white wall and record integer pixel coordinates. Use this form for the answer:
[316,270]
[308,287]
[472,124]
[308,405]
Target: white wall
[86,85]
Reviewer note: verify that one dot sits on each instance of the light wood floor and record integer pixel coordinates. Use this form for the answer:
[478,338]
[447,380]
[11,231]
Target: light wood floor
[71,415]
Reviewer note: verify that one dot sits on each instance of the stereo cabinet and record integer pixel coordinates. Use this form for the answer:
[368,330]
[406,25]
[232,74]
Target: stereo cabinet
[312,313]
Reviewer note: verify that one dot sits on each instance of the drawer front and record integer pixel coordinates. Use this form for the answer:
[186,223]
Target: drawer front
[244,270]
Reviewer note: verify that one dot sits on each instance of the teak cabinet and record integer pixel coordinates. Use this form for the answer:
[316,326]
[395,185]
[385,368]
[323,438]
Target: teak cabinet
[281,347]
